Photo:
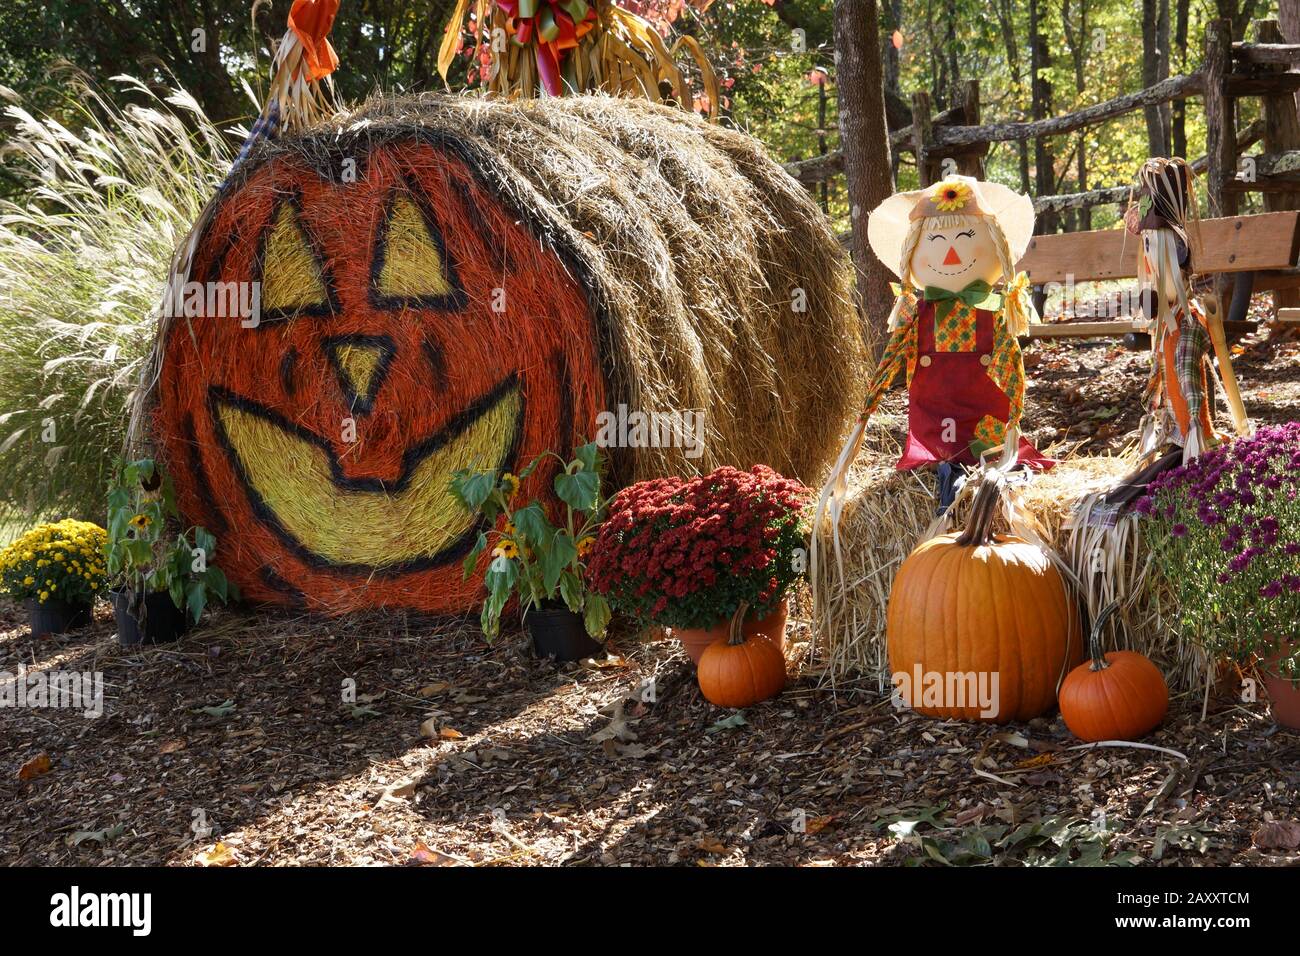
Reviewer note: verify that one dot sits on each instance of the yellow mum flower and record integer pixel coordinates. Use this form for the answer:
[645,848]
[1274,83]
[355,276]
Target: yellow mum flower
[951,195]
[29,580]
[45,595]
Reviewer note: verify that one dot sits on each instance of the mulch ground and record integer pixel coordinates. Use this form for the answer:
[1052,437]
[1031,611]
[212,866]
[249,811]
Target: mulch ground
[265,738]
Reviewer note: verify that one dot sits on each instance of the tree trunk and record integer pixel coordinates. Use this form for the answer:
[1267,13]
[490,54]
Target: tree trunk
[864,141]
[1012,44]
[1288,18]
[1178,114]
[1156,145]
[1076,36]
[1040,61]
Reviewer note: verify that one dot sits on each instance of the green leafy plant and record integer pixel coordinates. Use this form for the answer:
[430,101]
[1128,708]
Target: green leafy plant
[540,561]
[60,561]
[145,553]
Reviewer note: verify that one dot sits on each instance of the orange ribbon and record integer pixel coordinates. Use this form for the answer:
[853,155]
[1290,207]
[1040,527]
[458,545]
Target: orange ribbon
[310,21]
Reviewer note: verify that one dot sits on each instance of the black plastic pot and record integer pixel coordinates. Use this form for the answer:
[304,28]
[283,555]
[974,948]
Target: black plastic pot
[160,621]
[559,633]
[56,617]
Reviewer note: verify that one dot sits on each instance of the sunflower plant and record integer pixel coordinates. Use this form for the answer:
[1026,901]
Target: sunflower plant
[532,557]
[145,554]
[59,561]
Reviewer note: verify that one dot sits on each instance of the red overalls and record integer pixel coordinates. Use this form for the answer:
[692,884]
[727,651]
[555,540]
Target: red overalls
[950,392]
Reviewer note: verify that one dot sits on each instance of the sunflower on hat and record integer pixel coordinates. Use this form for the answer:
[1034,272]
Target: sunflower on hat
[951,195]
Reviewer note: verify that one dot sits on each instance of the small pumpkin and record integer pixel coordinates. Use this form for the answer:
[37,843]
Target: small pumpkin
[982,620]
[1119,695]
[738,671]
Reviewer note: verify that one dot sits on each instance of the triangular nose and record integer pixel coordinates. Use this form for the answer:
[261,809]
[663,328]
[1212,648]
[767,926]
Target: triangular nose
[361,363]
[952,259]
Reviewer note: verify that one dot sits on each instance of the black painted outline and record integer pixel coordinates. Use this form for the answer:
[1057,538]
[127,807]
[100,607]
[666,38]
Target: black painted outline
[410,460]
[358,403]
[331,306]
[452,301]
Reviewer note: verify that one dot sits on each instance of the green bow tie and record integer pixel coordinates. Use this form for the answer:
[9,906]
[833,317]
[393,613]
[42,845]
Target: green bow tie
[978,295]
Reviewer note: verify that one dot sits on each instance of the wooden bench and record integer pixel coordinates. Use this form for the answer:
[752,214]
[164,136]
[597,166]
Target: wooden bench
[1262,250]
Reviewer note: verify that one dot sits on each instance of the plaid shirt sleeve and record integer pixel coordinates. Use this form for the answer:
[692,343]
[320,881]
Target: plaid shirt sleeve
[1008,369]
[900,353]
[1189,362]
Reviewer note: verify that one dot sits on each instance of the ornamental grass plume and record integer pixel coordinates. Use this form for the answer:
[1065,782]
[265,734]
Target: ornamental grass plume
[1226,528]
[687,552]
[107,191]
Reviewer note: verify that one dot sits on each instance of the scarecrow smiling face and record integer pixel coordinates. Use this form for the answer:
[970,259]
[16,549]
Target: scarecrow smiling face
[953,256]
[409,326]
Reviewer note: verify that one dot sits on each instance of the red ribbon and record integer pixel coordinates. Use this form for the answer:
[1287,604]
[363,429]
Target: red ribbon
[555,31]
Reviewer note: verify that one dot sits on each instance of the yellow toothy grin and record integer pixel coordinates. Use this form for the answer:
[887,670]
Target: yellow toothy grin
[297,486]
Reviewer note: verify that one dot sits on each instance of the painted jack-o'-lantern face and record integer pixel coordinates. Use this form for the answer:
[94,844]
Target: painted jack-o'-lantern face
[409,326]
[953,257]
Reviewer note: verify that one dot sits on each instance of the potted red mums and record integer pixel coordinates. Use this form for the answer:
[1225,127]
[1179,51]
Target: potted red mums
[686,553]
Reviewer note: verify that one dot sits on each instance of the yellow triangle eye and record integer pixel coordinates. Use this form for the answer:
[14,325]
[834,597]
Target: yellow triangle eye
[411,263]
[292,277]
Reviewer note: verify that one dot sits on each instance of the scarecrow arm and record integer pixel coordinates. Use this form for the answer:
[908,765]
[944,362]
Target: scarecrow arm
[900,353]
[1007,370]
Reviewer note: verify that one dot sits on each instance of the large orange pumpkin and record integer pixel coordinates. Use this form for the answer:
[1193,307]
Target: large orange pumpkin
[980,626]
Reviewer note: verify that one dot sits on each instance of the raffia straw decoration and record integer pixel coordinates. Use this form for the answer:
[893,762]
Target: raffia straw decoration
[622,55]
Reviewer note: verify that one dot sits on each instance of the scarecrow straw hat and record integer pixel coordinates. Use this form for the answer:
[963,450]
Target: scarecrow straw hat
[890,222]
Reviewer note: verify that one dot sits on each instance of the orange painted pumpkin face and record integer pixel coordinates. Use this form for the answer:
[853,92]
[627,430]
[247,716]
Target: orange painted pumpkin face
[408,326]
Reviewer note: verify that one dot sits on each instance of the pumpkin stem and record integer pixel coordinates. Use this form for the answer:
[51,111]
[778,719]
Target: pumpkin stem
[735,634]
[979,528]
[1099,662]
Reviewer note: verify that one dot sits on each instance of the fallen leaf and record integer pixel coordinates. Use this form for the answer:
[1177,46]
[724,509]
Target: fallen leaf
[219,855]
[818,824]
[224,709]
[1041,760]
[35,767]
[172,746]
[428,690]
[1277,835]
[96,836]
[727,723]
[616,729]
[429,728]
[711,845]
[423,856]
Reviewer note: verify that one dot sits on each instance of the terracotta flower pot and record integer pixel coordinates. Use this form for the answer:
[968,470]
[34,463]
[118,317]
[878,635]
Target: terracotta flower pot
[696,639]
[1283,696]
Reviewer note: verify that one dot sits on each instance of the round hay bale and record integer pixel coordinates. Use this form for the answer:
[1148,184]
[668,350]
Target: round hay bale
[448,282]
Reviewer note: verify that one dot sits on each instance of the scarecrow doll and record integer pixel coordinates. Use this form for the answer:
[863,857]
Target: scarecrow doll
[1179,397]
[1178,401]
[953,329]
